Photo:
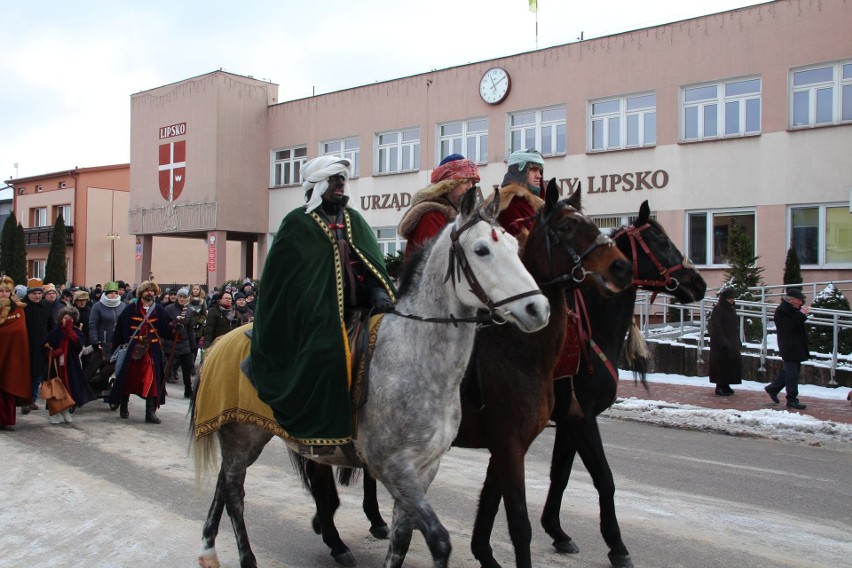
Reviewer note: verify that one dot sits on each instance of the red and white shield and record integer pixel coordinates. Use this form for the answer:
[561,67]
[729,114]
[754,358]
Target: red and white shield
[172,169]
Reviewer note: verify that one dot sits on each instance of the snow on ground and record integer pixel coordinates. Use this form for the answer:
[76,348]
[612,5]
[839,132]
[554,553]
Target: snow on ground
[764,423]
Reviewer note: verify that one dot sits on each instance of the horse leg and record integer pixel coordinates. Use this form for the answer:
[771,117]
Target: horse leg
[412,509]
[327,501]
[370,504]
[489,502]
[208,558]
[509,469]
[561,463]
[591,450]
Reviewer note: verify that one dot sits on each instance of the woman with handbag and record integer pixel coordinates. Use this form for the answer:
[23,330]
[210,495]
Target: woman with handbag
[64,344]
[14,354]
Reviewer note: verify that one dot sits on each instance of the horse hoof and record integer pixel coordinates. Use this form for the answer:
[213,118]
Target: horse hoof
[565,546]
[380,532]
[620,560]
[345,559]
[209,561]
[113,407]
[315,523]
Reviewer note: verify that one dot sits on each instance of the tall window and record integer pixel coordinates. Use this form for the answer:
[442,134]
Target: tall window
[39,217]
[398,151]
[389,241]
[468,137]
[540,129]
[721,110]
[348,148]
[608,222]
[37,268]
[287,165]
[707,241]
[625,122]
[822,234]
[821,95]
[65,211]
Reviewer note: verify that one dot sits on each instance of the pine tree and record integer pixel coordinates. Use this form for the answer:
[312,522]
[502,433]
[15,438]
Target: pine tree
[7,244]
[393,264]
[820,337]
[56,270]
[18,268]
[744,273]
[792,268]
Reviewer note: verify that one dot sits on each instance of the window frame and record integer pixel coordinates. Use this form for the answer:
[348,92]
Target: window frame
[290,163]
[538,126]
[838,85]
[622,115]
[351,154]
[386,153]
[38,217]
[720,101]
[38,267]
[709,237]
[385,244]
[67,219]
[821,231]
[460,143]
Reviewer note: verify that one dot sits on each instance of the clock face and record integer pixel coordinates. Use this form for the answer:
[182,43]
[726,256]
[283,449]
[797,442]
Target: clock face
[494,85]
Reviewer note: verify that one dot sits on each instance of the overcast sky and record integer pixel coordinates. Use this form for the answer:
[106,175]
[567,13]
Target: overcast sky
[68,68]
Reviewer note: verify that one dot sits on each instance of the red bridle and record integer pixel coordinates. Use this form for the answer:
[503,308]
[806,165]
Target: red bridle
[666,280]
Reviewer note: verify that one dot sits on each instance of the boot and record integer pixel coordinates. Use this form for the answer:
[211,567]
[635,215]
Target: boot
[151,410]
[123,412]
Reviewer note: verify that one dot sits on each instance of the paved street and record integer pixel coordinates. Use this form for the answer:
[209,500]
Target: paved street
[108,492]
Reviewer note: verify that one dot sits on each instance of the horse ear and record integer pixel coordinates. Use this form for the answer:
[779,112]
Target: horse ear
[468,202]
[575,200]
[551,195]
[644,214]
[491,207]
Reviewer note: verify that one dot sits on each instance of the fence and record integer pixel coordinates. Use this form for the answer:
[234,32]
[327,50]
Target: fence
[692,324]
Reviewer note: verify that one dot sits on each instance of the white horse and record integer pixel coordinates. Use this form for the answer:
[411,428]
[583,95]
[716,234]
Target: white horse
[412,411]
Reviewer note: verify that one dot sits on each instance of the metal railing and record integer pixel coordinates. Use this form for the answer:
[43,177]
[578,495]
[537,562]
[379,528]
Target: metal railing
[694,317]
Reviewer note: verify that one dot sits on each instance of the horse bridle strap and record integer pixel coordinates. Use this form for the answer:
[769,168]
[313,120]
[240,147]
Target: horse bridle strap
[666,280]
[578,273]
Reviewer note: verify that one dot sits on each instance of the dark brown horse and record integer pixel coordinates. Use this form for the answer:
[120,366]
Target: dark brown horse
[658,266]
[563,249]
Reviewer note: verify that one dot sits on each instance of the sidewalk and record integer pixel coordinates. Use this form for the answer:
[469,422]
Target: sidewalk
[744,398]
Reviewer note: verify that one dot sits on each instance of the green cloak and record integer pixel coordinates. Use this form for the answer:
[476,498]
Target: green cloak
[299,349]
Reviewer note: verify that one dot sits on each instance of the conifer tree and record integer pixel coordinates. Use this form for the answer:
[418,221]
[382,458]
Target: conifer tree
[18,269]
[7,244]
[792,268]
[744,273]
[56,270]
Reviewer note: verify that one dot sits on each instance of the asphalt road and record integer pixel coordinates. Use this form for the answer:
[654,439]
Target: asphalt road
[114,493]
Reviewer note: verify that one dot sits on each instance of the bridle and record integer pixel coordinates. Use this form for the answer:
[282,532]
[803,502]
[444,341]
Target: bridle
[577,274]
[459,266]
[665,281]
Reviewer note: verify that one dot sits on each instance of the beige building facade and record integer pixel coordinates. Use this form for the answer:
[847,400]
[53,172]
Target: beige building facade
[742,116]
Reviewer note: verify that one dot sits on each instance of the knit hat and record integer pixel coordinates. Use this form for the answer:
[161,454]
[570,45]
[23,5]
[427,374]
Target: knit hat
[81,295]
[183,292]
[315,174]
[728,292]
[32,289]
[21,291]
[148,285]
[110,287]
[49,288]
[67,293]
[239,296]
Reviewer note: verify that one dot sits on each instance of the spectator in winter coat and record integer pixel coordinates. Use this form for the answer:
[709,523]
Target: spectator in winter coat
[181,348]
[790,317]
[725,358]
[220,319]
[84,309]
[64,344]
[39,323]
[103,318]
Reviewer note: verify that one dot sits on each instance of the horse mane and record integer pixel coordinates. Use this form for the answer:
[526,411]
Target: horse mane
[413,265]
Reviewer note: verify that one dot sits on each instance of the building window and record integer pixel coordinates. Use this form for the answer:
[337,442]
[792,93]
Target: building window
[707,234]
[625,122]
[468,137]
[821,95]
[389,240]
[37,269]
[287,165]
[398,151]
[822,235]
[348,148]
[39,217]
[540,129]
[607,223]
[721,110]
[65,211]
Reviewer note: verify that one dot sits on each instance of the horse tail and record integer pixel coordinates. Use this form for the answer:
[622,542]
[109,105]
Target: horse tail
[346,476]
[300,464]
[636,353]
[204,449]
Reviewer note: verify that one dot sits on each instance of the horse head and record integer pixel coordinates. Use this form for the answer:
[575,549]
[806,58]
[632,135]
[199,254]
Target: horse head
[487,257]
[658,265]
[566,247]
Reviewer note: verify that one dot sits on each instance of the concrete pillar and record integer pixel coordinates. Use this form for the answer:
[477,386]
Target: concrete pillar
[143,265]
[247,259]
[216,258]
[262,247]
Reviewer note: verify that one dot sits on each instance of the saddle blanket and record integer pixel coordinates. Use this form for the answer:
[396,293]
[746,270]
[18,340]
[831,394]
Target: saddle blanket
[225,394]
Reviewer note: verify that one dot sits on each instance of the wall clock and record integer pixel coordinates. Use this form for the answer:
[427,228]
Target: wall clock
[494,85]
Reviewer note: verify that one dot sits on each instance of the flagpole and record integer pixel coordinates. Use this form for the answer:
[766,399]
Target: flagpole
[536,26]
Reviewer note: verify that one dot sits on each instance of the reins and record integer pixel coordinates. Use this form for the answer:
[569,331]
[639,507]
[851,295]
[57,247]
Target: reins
[577,273]
[666,280]
[457,266]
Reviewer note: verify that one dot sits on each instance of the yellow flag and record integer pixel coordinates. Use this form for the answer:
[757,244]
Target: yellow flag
[533,5]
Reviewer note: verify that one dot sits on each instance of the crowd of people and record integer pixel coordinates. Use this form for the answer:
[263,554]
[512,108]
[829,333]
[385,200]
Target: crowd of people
[48,332]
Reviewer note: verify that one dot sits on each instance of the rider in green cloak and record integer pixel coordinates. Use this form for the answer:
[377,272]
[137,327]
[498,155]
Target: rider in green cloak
[323,264]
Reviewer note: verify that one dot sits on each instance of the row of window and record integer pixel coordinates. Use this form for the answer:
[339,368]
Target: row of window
[39,218]
[821,234]
[818,96]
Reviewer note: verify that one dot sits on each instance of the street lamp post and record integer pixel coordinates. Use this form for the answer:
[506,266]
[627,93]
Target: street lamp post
[112,237]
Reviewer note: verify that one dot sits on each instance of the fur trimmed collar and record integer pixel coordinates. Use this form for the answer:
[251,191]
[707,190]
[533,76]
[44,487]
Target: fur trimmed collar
[412,217]
[509,192]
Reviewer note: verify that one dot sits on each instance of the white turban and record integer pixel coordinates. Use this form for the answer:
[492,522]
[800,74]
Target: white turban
[315,174]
